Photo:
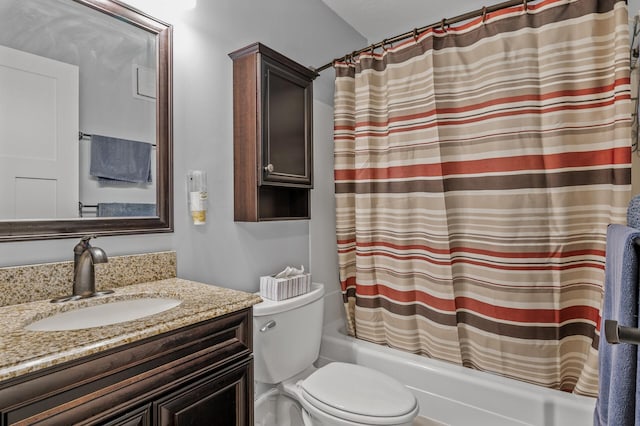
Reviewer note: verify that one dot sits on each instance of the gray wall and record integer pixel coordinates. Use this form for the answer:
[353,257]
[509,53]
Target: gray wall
[223,252]
[634,8]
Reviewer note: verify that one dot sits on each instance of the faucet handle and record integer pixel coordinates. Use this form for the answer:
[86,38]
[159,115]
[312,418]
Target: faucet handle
[83,244]
[87,238]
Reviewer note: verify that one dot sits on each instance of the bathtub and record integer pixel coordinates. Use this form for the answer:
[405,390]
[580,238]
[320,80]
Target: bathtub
[459,396]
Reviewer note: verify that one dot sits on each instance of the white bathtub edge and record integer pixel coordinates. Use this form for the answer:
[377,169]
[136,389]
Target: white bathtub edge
[456,395]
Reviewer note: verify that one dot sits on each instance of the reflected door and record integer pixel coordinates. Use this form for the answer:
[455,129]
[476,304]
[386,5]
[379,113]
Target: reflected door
[38,137]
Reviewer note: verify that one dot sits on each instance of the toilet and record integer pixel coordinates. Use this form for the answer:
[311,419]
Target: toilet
[286,336]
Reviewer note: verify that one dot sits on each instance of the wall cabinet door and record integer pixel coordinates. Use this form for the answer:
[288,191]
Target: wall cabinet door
[286,120]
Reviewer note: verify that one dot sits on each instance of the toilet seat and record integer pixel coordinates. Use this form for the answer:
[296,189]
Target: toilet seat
[358,394]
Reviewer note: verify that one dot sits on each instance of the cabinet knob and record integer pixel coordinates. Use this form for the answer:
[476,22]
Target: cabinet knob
[268,168]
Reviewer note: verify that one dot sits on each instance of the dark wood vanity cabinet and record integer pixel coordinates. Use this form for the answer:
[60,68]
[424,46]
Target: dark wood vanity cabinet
[197,375]
[273,132]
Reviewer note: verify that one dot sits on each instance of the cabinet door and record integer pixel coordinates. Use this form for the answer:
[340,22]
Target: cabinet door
[217,400]
[287,129]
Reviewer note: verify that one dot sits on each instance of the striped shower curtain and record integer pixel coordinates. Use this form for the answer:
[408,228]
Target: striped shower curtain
[476,170]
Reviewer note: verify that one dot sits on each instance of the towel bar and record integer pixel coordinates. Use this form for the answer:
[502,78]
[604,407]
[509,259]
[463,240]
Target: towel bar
[82,135]
[615,333]
[82,206]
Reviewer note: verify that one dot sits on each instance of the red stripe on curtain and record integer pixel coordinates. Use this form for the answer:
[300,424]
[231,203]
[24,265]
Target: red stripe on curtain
[534,111]
[510,100]
[548,316]
[616,156]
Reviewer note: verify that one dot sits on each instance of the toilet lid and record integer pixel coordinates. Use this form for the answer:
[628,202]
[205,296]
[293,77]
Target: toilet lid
[352,391]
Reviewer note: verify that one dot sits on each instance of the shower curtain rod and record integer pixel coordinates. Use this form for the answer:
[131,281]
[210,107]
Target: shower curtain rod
[415,32]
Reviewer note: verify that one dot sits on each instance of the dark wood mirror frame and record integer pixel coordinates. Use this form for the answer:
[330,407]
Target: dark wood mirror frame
[21,230]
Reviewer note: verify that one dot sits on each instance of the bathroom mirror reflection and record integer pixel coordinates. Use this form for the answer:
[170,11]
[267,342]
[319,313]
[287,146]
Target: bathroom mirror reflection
[85,122]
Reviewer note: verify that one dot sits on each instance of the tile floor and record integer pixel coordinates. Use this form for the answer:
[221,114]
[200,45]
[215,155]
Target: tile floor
[423,421]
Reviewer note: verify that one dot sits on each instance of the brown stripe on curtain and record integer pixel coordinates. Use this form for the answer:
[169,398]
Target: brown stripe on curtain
[476,171]
[533,180]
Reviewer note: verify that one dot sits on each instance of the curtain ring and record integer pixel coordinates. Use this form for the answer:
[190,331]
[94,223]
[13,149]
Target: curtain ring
[348,58]
[484,14]
[442,24]
[384,45]
[373,47]
[415,35]
[526,7]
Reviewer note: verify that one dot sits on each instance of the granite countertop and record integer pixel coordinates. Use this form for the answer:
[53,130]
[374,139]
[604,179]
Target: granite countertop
[23,351]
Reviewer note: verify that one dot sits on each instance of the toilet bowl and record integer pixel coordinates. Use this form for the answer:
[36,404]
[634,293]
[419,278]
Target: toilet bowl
[287,337]
[349,394]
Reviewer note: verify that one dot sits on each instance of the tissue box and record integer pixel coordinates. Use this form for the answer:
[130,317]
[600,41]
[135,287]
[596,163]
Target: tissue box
[284,288]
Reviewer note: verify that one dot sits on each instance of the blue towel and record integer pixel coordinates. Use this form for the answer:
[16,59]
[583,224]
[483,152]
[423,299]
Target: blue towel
[617,396]
[633,212]
[120,159]
[126,209]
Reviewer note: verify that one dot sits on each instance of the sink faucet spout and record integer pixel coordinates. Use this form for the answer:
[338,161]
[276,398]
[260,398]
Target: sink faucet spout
[84,273]
[84,277]
[78,249]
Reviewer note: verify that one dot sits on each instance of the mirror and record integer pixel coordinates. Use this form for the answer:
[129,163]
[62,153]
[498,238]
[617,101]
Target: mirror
[85,120]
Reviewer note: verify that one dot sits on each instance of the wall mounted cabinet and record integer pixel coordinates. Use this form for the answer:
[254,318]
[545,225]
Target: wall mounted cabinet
[272,115]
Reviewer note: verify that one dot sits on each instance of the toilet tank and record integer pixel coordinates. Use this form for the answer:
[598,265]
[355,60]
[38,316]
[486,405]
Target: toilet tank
[286,335]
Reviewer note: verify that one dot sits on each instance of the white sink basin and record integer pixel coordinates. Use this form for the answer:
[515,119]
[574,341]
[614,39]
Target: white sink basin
[104,314]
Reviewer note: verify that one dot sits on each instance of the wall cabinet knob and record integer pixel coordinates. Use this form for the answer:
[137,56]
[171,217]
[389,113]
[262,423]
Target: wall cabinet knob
[269,168]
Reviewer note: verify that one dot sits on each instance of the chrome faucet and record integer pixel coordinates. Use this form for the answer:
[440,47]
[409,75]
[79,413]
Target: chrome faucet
[84,275]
